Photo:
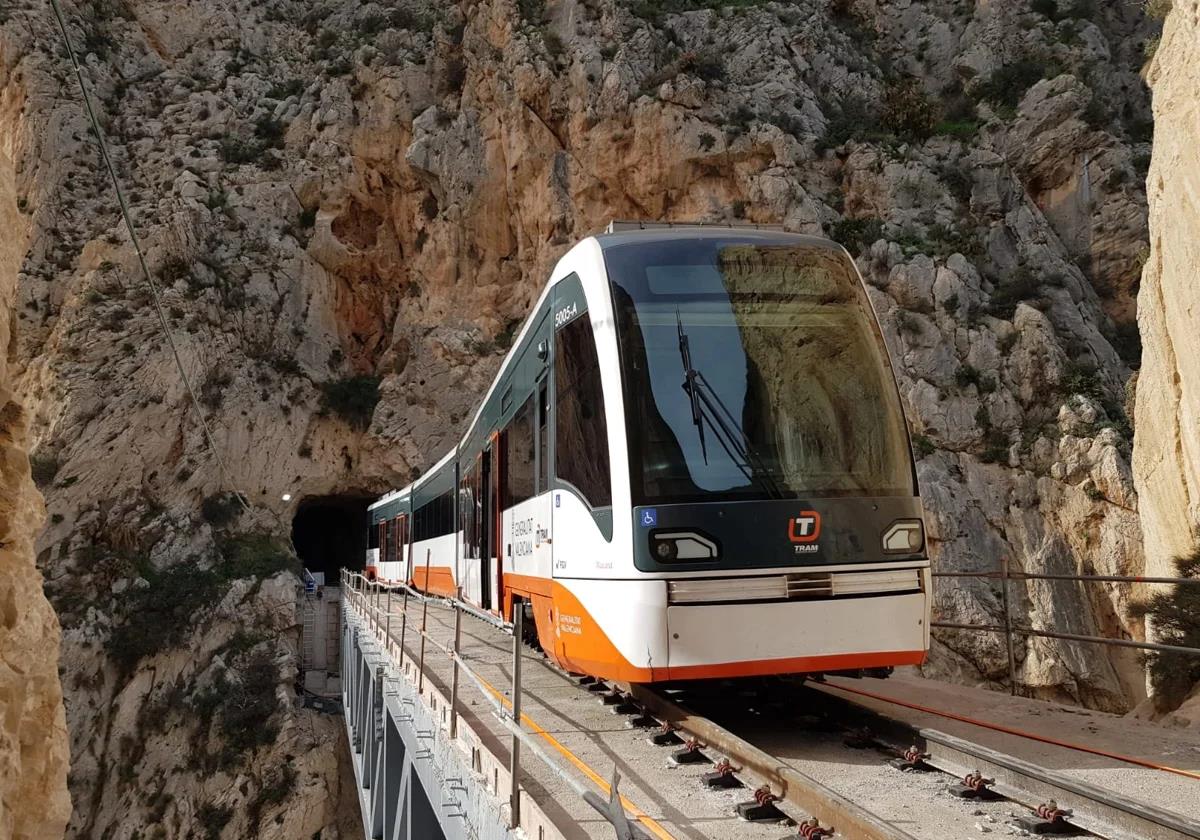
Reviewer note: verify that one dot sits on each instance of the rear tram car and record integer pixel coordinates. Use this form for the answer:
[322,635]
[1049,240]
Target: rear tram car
[692,464]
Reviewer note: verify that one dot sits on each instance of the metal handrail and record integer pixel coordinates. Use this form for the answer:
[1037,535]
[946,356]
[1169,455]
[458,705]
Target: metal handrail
[1009,629]
[357,585]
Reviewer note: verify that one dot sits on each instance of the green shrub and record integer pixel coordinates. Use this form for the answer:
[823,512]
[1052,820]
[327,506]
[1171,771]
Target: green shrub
[250,703]
[922,446]
[907,111]
[275,789]
[1046,8]
[856,234]
[353,399]
[254,555]
[158,616]
[1020,285]
[1175,616]
[852,119]
[969,375]
[214,818]
[44,467]
[221,509]
[1007,85]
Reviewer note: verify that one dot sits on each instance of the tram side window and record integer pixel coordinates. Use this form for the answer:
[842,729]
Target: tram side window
[373,536]
[581,431]
[393,532]
[543,434]
[521,448]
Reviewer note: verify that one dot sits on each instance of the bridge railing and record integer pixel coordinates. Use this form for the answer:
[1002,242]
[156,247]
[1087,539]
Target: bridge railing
[372,600]
[1010,629]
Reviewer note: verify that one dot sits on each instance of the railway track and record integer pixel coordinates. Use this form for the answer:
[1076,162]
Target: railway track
[743,727]
[1052,802]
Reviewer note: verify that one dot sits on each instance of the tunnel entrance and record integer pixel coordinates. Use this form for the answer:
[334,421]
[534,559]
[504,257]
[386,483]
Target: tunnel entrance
[330,533]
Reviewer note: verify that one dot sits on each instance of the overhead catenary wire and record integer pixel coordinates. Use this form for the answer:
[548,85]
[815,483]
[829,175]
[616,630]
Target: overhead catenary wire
[133,238]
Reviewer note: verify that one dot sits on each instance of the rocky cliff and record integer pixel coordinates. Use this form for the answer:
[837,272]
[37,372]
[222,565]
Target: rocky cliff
[1167,455]
[33,731]
[351,205]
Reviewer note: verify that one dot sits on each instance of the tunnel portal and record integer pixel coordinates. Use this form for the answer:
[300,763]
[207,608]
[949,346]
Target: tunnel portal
[330,534]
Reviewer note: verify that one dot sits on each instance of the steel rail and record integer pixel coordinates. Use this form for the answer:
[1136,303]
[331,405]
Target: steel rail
[811,796]
[1099,810]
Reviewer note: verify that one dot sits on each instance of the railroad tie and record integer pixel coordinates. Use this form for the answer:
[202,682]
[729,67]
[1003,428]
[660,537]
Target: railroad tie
[666,736]
[912,760]
[974,786]
[723,777]
[690,754]
[1048,819]
[762,809]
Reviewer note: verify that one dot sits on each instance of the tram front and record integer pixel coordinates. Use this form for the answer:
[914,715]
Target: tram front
[771,476]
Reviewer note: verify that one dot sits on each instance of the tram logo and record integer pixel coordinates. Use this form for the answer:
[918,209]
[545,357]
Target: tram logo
[805,530]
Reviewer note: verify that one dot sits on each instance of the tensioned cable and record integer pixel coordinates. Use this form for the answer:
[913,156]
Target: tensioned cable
[158,308]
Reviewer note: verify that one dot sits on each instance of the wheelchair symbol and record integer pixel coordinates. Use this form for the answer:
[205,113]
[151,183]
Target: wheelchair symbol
[649,518]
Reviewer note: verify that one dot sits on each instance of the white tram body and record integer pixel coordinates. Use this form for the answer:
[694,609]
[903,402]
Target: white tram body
[693,463]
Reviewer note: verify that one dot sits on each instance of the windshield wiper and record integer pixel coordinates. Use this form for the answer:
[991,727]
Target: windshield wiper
[729,433]
[689,383]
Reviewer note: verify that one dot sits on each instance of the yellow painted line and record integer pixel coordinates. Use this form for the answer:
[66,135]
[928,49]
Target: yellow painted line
[642,817]
[645,819]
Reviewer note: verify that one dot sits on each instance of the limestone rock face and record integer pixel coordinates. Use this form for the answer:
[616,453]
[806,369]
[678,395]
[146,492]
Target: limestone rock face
[379,191]
[34,804]
[1166,458]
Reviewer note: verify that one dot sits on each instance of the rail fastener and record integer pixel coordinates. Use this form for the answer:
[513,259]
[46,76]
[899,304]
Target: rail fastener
[690,754]
[626,707]
[912,760]
[642,721]
[1048,818]
[861,738]
[974,786]
[666,736]
[612,698]
[762,809]
[806,793]
[723,776]
[811,829]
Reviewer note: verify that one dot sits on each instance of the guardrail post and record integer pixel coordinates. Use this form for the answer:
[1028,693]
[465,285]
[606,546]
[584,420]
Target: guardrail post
[387,624]
[1008,629]
[403,628]
[454,680]
[424,616]
[514,766]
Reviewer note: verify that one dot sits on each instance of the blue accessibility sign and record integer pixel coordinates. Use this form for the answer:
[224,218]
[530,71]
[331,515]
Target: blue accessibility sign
[649,517]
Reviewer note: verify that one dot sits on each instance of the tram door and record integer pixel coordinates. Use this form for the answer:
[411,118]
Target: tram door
[487,529]
[402,552]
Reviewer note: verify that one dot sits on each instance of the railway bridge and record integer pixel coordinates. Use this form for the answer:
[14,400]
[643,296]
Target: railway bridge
[458,730]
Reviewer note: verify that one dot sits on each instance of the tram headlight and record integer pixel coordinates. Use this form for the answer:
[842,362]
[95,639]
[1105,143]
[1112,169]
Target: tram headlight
[683,546]
[904,537]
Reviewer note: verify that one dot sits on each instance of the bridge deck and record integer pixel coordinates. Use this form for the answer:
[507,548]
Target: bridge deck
[580,733]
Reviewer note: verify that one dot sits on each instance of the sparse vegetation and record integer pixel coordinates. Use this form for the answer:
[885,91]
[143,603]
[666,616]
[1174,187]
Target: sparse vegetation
[1020,285]
[213,819]
[44,467]
[221,509]
[856,234]
[968,375]
[353,399]
[922,446]
[1007,85]
[1175,616]
[907,111]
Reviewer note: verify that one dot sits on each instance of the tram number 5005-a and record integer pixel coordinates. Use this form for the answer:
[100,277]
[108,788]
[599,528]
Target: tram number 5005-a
[565,314]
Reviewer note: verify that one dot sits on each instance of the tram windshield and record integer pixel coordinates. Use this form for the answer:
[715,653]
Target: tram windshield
[753,370]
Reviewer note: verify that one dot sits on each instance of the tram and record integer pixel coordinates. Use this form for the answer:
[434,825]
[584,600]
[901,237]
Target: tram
[692,464]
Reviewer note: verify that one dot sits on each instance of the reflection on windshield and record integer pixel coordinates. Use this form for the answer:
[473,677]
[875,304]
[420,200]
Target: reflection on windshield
[753,370]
